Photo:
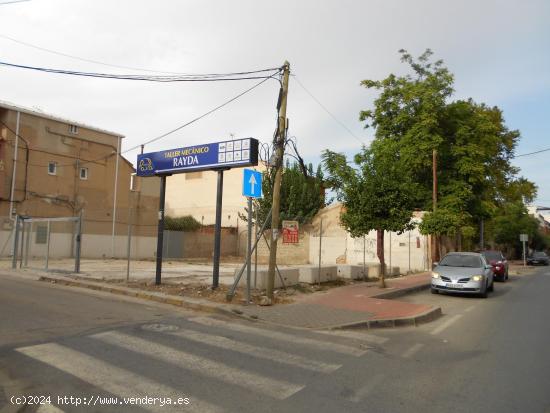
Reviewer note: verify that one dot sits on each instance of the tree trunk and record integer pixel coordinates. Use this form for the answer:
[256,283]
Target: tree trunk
[380,253]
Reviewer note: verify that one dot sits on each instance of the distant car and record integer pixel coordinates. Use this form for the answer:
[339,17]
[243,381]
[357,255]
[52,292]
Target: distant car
[538,257]
[499,263]
[463,272]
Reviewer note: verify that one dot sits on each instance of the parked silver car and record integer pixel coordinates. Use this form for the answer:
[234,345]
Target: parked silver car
[463,272]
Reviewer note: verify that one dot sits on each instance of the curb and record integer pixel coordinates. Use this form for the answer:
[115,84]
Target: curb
[425,317]
[175,300]
[402,291]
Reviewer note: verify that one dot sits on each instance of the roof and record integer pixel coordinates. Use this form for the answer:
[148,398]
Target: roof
[34,112]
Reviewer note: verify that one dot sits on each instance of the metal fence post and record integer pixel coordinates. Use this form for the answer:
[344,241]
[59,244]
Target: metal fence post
[409,251]
[28,245]
[320,239]
[48,244]
[78,244]
[129,244]
[391,268]
[364,258]
[21,252]
[15,242]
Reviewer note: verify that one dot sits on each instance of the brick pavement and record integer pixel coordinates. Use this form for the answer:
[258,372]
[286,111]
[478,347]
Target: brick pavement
[352,305]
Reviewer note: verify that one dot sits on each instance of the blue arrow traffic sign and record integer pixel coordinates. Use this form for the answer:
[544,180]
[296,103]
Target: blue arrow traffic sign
[252,183]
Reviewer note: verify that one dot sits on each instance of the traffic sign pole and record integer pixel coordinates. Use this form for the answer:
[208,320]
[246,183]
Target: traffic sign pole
[249,250]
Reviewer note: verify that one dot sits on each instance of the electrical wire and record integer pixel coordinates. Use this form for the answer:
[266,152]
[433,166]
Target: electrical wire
[72,164]
[198,117]
[227,102]
[211,77]
[532,153]
[328,111]
[12,2]
[137,69]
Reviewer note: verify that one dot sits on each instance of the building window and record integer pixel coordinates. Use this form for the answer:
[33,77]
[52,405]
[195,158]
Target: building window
[73,129]
[83,173]
[41,234]
[52,168]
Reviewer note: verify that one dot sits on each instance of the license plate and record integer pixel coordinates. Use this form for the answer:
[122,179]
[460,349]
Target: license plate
[454,285]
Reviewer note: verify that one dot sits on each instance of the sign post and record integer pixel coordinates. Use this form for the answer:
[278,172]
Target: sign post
[524,238]
[252,188]
[218,156]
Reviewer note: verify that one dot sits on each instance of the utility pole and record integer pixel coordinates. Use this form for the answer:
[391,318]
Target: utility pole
[279,152]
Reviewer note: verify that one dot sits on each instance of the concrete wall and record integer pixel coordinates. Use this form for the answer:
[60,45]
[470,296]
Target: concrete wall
[339,247]
[286,253]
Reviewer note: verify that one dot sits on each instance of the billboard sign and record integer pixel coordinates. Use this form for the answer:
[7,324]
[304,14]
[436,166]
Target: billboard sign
[210,156]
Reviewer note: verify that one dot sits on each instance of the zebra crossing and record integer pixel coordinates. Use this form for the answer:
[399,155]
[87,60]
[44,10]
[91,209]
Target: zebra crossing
[289,363]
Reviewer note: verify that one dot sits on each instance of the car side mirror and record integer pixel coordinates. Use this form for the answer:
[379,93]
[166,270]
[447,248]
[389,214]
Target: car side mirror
[488,267]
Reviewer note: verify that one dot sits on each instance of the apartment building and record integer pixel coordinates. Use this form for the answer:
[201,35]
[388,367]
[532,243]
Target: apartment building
[55,167]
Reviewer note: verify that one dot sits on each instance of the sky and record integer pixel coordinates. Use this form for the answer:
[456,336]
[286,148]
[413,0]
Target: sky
[499,52]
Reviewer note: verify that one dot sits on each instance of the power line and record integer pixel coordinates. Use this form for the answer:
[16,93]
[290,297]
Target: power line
[11,2]
[198,117]
[532,153]
[97,62]
[328,111]
[227,102]
[210,77]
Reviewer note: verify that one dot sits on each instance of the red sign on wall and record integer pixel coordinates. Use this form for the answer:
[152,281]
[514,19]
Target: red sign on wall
[290,232]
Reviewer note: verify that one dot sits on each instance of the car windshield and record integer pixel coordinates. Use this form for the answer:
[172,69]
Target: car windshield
[455,260]
[539,255]
[492,255]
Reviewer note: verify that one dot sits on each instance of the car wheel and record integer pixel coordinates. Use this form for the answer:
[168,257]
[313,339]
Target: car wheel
[434,291]
[483,294]
[506,276]
[491,288]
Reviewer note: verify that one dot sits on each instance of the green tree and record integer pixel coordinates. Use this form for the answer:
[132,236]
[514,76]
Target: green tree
[513,221]
[376,195]
[302,194]
[414,114]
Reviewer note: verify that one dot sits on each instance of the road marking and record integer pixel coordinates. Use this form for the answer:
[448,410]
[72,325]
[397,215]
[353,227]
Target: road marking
[277,335]
[446,324]
[364,390]
[48,408]
[258,352]
[111,379]
[412,350]
[270,387]
[469,308]
[371,338]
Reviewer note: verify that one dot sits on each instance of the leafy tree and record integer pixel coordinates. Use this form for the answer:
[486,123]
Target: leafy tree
[414,114]
[302,195]
[513,221]
[376,195]
[183,223]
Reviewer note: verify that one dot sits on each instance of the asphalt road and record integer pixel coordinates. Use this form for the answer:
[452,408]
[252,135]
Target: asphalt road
[483,355]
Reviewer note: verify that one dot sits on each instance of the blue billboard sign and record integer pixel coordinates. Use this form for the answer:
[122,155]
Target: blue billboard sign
[219,155]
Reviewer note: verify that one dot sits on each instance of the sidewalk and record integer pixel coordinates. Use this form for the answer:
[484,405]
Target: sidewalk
[357,305]
[362,304]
